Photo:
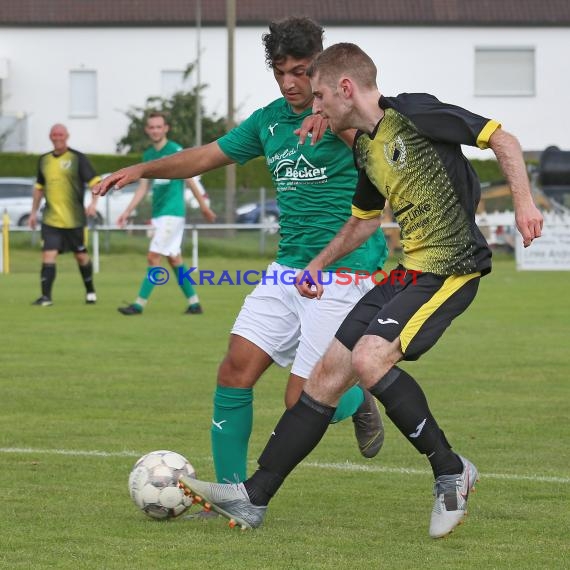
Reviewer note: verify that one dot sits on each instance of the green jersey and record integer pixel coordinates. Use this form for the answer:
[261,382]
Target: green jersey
[167,195]
[314,184]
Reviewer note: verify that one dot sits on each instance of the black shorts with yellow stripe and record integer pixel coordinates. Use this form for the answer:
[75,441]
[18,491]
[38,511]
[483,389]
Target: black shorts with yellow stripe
[63,239]
[412,306]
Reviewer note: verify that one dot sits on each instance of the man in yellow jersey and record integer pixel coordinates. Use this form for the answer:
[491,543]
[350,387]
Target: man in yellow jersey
[61,179]
[408,153]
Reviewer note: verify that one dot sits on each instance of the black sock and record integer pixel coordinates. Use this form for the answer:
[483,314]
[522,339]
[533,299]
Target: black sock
[298,432]
[407,407]
[87,275]
[47,277]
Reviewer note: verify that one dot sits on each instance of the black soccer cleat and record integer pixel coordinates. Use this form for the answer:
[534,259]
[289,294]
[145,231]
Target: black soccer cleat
[130,310]
[194,310]
[43,301]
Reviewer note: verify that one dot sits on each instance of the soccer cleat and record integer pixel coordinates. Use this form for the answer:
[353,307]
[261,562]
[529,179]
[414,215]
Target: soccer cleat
[43,301]
[229,500]
[203,515]
[194,310]
[451,494]
[368,426]
[91,298]
[130,310]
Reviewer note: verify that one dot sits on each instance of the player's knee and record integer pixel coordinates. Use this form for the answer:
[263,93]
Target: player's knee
[292,394]
[175,260]
[153,258]
[232,374]
[372,358]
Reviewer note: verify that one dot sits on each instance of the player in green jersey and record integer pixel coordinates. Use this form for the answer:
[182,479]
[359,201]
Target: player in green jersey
[62,176]
[408,152]
[168,217]
[314,184]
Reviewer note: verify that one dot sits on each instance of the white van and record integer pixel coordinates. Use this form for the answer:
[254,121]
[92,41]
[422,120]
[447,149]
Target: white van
[16,199]
[16,195]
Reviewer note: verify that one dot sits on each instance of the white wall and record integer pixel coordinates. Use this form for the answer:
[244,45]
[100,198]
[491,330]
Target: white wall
[129,62]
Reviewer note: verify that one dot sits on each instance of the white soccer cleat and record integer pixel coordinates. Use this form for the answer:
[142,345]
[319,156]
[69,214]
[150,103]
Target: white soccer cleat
[451,494]
[229,500]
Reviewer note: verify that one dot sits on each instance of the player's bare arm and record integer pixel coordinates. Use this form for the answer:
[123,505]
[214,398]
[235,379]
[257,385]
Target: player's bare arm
[184,164]
[508,151]
[91,209]
[209,214]
[353,234]
[138,196]
[315,126]
[36,201]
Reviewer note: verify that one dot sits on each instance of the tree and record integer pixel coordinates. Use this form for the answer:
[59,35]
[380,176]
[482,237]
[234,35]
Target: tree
[181,111]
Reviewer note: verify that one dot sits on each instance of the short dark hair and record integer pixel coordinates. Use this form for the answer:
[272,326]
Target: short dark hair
[344,59]
[295,37]
[155,114]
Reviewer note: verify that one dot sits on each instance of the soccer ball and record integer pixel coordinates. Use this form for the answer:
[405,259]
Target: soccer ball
[153,484]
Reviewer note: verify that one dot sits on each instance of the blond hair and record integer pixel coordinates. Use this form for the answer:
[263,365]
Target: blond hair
[344,59]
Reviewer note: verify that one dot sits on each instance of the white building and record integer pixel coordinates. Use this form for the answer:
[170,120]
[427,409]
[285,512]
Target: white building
[86,63]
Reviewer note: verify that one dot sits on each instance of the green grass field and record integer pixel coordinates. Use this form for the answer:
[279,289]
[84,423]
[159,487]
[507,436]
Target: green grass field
[86,391]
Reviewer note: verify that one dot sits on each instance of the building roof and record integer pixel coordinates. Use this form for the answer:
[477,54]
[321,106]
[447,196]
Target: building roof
[159,13]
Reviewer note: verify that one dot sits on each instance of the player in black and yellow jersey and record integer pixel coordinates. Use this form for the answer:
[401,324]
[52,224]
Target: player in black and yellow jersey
[408,154]
[61,179]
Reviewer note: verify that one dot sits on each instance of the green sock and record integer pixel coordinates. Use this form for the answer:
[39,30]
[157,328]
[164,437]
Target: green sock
[146,287]
[186,286]
[231,427]
[350,402]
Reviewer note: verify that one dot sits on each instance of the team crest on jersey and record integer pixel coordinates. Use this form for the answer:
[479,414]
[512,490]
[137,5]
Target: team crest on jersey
[65,164]
[299,170]
[395,153]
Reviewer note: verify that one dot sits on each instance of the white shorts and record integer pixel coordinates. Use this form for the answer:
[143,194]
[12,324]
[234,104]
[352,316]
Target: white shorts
[291,328]
[167,235]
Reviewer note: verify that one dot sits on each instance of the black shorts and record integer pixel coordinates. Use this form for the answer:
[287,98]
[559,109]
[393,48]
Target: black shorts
[415,307]
[63,239]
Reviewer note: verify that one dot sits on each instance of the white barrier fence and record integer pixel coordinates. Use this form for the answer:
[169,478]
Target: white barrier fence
[96,231]
[549,253]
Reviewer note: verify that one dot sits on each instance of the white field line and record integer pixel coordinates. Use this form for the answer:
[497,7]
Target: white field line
[347,466]
[405,471]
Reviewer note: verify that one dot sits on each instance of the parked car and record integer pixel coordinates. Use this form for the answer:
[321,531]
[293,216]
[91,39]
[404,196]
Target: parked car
[16,195]
[111,206]
[251,213]
[189,195]
[16,199]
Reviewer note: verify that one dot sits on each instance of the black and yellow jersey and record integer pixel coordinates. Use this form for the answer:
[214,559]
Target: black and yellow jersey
[414,160]
[62,178]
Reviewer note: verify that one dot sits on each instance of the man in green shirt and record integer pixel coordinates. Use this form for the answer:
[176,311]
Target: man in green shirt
[314,184]
[168,217]
[408,152]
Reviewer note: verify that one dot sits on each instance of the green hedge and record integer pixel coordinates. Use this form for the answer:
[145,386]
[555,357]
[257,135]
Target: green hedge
[487,170]
[254,174]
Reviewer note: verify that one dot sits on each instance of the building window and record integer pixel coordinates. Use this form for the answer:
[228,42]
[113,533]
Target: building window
[173,81]
[504,71]
[83,93]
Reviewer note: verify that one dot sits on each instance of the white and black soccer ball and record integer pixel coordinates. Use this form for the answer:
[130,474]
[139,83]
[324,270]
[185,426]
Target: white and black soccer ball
[153,484]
